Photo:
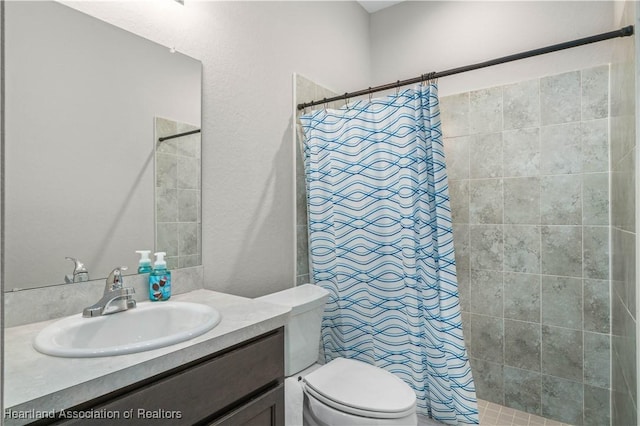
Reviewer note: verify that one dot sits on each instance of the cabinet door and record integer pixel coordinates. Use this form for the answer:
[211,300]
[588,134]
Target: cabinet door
[264,410]
[199,392]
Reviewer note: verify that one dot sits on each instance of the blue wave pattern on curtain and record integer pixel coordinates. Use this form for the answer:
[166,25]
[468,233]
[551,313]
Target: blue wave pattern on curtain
[381,243]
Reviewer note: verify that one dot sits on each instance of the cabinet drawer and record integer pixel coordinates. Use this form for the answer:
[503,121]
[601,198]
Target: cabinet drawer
[264,410]
[199,392]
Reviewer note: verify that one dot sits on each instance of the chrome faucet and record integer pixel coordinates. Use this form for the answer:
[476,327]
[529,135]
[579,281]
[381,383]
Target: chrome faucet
[80,272]
[116,297]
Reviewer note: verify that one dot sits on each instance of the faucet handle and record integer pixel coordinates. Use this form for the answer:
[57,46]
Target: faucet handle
[115,279]
[80,272]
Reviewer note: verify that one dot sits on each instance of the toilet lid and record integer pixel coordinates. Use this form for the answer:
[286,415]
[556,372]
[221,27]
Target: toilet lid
[362,389]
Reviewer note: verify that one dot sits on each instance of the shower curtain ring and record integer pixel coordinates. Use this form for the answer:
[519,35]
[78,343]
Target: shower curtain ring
[346,99]
[324,104]
[370,93]
[397,87]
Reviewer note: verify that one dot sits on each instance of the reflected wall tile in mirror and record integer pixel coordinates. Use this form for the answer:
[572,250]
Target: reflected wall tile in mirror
[189,261]
[189,145]
[167,238]
[166,171]
[187,239]
[165,128]
[166,204]
[188,172]
[178,230]
[187,205]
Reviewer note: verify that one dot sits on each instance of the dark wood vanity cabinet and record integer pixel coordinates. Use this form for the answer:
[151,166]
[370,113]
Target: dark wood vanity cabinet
[242,385]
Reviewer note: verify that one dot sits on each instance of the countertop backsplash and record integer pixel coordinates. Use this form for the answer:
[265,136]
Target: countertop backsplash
[45,303]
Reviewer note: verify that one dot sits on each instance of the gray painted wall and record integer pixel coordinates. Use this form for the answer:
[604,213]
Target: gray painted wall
[249,52]
[80,173]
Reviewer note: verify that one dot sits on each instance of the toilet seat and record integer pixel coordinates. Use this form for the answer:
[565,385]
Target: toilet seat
[360,389]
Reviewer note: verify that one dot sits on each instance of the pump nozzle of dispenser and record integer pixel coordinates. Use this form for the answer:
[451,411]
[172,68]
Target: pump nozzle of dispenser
[160,263]
[144,266]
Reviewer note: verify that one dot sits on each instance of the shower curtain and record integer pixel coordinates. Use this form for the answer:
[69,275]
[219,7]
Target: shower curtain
[381,243]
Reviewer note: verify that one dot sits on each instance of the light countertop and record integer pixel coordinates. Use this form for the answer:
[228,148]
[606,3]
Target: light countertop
[34,381]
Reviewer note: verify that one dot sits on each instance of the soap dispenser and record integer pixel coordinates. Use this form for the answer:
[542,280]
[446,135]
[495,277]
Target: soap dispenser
[159,279]
[144,266]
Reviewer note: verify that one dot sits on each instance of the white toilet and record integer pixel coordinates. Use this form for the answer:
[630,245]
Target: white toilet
[342,392]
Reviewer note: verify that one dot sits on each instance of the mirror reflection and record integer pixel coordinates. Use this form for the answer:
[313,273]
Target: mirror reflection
[82,97]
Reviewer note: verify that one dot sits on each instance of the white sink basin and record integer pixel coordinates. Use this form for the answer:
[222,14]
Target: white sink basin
[150,325]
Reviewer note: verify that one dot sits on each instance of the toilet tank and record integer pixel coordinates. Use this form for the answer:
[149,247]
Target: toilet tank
[302,332]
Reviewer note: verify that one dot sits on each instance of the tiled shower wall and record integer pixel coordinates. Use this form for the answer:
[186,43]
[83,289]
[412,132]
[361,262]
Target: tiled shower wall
[177,175]
[305,91]
[623,227]
[529,185]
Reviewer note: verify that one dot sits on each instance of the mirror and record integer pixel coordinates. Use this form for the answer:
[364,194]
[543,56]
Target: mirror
[82,97]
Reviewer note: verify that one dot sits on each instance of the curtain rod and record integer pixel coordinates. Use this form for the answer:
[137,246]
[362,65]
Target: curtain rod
[177,135]
[622,32]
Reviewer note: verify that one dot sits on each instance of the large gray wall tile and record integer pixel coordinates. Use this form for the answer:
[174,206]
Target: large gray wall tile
[485,201]
[597,359]
[522,248]
[562,353]
[623,197]
[595,145]
[488,378]
[561,149]
[562,400]
[485,153]
[560,98]
[562,302]
[486,292]
[522,200]
[462,246]
[561,200]
[597,410]
[522,296]
[485,110]
[595,199]
[522,344]
[486,247]
[463,275]
[595,92]
[459,200]
[521,152]
[562,250]
[456,152]
[522,389]
[521,105]
[487,338]
[596,305]
[596,252]
[455,115]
